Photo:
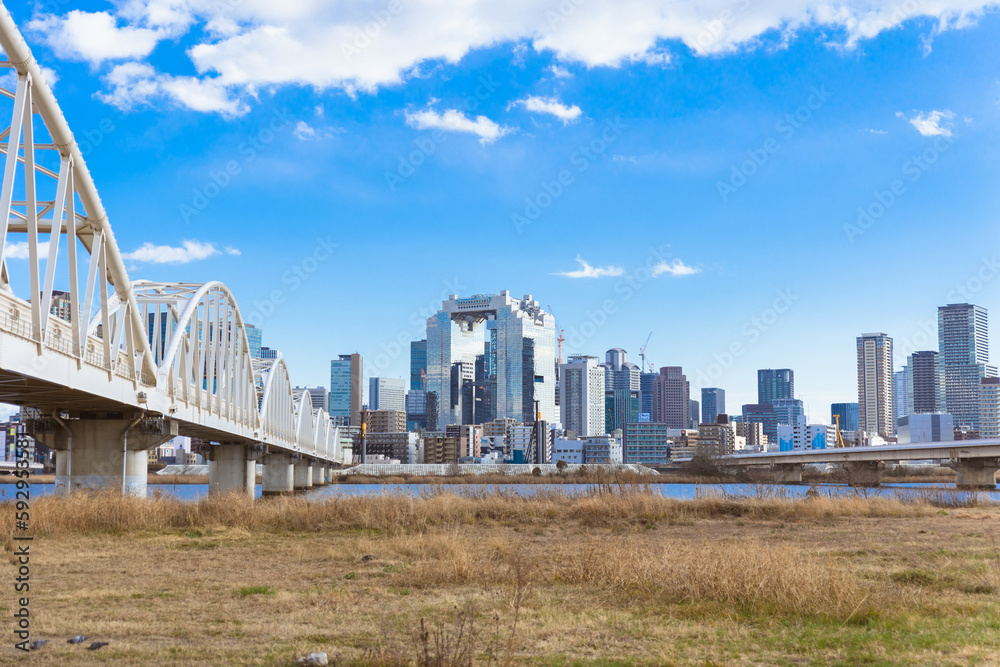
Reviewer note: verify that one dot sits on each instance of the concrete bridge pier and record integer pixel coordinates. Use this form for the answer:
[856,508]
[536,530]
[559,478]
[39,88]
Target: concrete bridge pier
[319,474]
[102,451]
[232,467]
[279,470]
[977,474]
[303,477]
[788,473]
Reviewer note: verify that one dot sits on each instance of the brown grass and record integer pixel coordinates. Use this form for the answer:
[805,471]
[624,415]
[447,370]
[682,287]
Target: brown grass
[617,575]
[400,513]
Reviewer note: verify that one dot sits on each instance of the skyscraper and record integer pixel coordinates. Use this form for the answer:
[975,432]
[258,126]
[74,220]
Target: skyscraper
[646,394]
[847,413]
[924,383]
[763,414]
[621,390]
[581,403]
[253,337]
[672,398]
[386,394]
[899,394]
[346,389]
[875,385]
[713,404]
[775,383]
[519,356]
[964,358]
[787,410]
[418,363]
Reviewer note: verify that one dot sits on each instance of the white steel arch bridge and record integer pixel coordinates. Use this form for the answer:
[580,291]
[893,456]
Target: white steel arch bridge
[113,367]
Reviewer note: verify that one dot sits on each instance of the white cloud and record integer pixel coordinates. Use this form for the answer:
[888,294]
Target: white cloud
[453,120]
[94,36]
[19,249]
[7,411]
[188,251]
[675,268]
[871,131]
[230,250]
[242,47]
[588,271]
[929,124]
[50,76]
[560,72]
[136,84]
[303,131]
[550,105]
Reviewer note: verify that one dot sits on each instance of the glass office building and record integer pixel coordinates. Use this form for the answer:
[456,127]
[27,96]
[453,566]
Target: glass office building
[847,413]
[516,339]
[418,364]
[775,383]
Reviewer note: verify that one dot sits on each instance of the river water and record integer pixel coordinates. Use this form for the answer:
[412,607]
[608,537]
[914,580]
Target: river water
[679,491]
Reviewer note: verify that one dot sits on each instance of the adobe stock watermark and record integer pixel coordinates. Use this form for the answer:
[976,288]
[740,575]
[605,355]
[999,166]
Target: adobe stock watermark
[416,327]
[220,179]
[988,269]
[94,137]
[627,286]
[716,28]
[370,31]
[750,332]
[563,12]
[923,337]
[293,278]
[408,163]
[580,159]
[882,200]
[741,173]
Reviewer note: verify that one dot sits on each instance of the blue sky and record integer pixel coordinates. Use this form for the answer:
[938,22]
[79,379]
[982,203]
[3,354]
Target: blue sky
[342,194]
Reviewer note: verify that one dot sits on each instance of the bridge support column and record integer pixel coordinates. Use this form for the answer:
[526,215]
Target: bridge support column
[278,474]
[319,474]
[62,477]
[303,474]
[786,473]
[232,467]
[108,451]
[977,474]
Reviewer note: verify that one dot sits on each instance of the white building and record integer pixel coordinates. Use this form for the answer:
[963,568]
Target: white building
[581,396]
[800,436]
[386,394]
[605,449]
[928,427]
[570,451]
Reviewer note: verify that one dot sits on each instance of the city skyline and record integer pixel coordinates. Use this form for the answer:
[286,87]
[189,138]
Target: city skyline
[693,121]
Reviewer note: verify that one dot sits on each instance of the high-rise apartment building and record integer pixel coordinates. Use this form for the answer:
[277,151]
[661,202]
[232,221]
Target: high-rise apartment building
[621,390]
[418,364]
[713,404]
[672,398]
[519,342]
[346,388]
[775,383]
[989,407]
[876,406]
[964,359]
[581,401]
[847,414]
[924,383]
[386,394]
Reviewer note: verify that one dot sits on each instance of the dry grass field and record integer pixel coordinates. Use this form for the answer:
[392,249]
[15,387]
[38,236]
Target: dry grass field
[620,576]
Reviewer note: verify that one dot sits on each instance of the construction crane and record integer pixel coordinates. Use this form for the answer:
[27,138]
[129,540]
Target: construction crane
[560,339]
[642,353]
[840,440]
[423,378]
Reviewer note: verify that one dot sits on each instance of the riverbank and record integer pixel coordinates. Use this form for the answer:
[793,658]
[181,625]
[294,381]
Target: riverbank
[620,575]
[152,478]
